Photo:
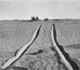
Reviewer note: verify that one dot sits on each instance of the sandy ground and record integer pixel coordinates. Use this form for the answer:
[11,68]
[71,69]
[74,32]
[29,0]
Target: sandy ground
[14,34]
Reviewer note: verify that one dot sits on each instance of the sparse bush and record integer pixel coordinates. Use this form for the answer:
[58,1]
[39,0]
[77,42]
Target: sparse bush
[36,19]
[32,18]
[46,19]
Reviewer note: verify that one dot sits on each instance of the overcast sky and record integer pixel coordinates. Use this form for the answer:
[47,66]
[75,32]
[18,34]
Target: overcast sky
[24,9]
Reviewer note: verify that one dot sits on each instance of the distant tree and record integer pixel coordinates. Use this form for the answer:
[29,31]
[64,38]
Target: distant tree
[32,18]
[46,19]
[37,18]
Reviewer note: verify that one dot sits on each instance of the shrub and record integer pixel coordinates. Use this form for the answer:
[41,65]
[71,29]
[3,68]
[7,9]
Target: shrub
[32,18]
[46,19]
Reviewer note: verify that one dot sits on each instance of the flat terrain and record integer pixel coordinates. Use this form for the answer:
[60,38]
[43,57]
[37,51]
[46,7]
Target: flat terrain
[14,34]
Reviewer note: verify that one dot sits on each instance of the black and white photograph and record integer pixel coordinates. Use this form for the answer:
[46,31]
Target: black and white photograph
[39,34]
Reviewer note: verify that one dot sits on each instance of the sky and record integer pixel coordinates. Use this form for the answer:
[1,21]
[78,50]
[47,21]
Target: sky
[52,9]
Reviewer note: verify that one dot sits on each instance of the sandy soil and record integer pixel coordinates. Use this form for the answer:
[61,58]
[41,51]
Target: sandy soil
[14,34]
